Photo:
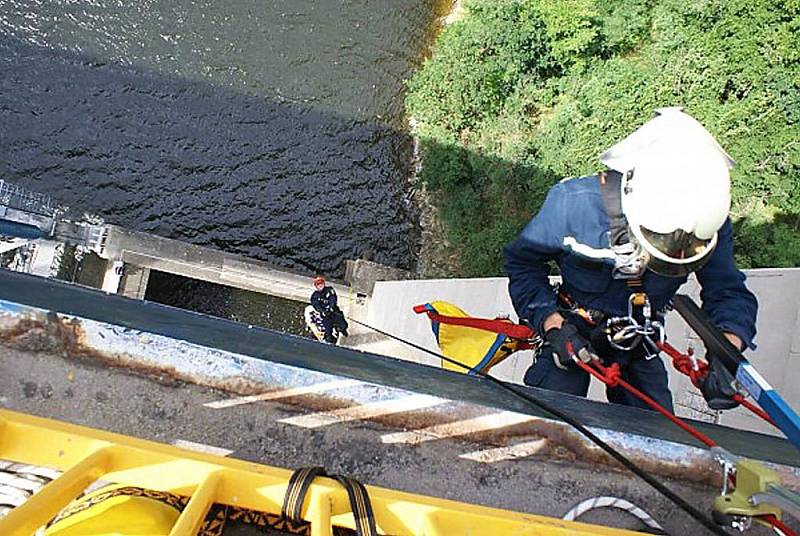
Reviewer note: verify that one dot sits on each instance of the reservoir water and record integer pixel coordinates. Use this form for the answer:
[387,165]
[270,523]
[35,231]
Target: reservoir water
[274,129]
[269,128]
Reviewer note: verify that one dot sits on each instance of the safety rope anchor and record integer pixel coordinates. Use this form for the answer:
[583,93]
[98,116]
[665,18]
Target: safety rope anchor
[743,480]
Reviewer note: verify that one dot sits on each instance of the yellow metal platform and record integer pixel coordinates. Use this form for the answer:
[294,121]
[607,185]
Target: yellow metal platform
[86,455]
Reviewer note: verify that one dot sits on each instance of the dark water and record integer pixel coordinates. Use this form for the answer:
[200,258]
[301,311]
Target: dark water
[232,303]
[272,129]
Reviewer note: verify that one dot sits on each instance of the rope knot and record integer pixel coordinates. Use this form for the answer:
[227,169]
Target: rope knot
[686,364]
[612,375]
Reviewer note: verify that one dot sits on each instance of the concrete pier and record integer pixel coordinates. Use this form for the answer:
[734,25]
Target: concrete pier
[142,250]
[131,257]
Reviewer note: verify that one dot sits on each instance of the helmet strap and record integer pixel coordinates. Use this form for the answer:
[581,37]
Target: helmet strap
[611,192]
[630,258]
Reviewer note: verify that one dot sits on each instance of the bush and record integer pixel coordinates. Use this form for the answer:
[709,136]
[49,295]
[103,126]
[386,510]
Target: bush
[767,240]
[477,62]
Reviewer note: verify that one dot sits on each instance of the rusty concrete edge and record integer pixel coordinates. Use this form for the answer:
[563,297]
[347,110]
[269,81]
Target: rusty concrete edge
[34,329]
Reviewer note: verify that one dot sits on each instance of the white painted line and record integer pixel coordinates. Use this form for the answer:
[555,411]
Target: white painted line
[10,500]
[520,450]
[199,447]
[284,393]
[8,479]
[366,411]
[459,428]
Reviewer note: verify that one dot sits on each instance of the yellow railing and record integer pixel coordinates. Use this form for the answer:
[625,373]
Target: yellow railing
[86,455]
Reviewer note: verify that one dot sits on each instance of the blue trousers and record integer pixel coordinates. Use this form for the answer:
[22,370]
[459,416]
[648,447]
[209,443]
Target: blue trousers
[649,376]
[327,329]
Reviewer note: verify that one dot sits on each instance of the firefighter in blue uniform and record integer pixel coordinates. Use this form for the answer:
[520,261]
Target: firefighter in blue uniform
[324,301]
[658,214]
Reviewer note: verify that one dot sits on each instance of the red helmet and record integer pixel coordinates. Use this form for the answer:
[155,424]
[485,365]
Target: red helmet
[319,280]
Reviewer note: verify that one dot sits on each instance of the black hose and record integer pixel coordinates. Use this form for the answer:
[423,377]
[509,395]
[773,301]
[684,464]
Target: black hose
[624,461]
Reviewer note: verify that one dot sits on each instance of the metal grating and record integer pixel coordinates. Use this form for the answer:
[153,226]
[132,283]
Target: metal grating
[17,197]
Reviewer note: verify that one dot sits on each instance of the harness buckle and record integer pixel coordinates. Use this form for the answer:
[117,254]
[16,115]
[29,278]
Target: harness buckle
[623,332]
[627,332]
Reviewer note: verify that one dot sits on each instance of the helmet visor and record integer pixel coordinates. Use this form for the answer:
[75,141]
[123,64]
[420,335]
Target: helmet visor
[677,253]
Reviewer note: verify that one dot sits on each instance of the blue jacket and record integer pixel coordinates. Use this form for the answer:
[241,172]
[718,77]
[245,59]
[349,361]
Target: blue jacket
[572,218]
[324,301]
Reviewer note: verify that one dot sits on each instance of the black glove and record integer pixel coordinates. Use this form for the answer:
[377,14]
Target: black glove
[717,387]
[558,338]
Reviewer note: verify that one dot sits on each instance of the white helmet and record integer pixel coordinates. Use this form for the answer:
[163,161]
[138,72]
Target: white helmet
[675,190]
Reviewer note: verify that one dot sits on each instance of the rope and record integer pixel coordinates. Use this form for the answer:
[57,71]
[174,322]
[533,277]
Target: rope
[612,502]
[697,370]
[572,421]
[755,409]
[501,327]
[685,363]
[778,526]
[612,377]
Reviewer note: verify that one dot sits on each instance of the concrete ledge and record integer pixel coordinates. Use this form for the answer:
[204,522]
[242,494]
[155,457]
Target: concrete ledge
[152,252]
[242,358]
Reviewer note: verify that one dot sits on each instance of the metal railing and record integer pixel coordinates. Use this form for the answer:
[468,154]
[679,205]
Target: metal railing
[17,197]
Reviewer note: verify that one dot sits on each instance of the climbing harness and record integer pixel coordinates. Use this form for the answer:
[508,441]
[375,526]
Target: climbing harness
[630,259]
[640,326]
[627,332]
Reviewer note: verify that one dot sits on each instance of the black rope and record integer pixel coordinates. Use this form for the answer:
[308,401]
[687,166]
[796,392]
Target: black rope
[569,419]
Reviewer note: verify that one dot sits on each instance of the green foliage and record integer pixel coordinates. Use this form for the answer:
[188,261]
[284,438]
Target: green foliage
[571,28]
[625,24]
[521,93]
[477,62]
[767,240]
